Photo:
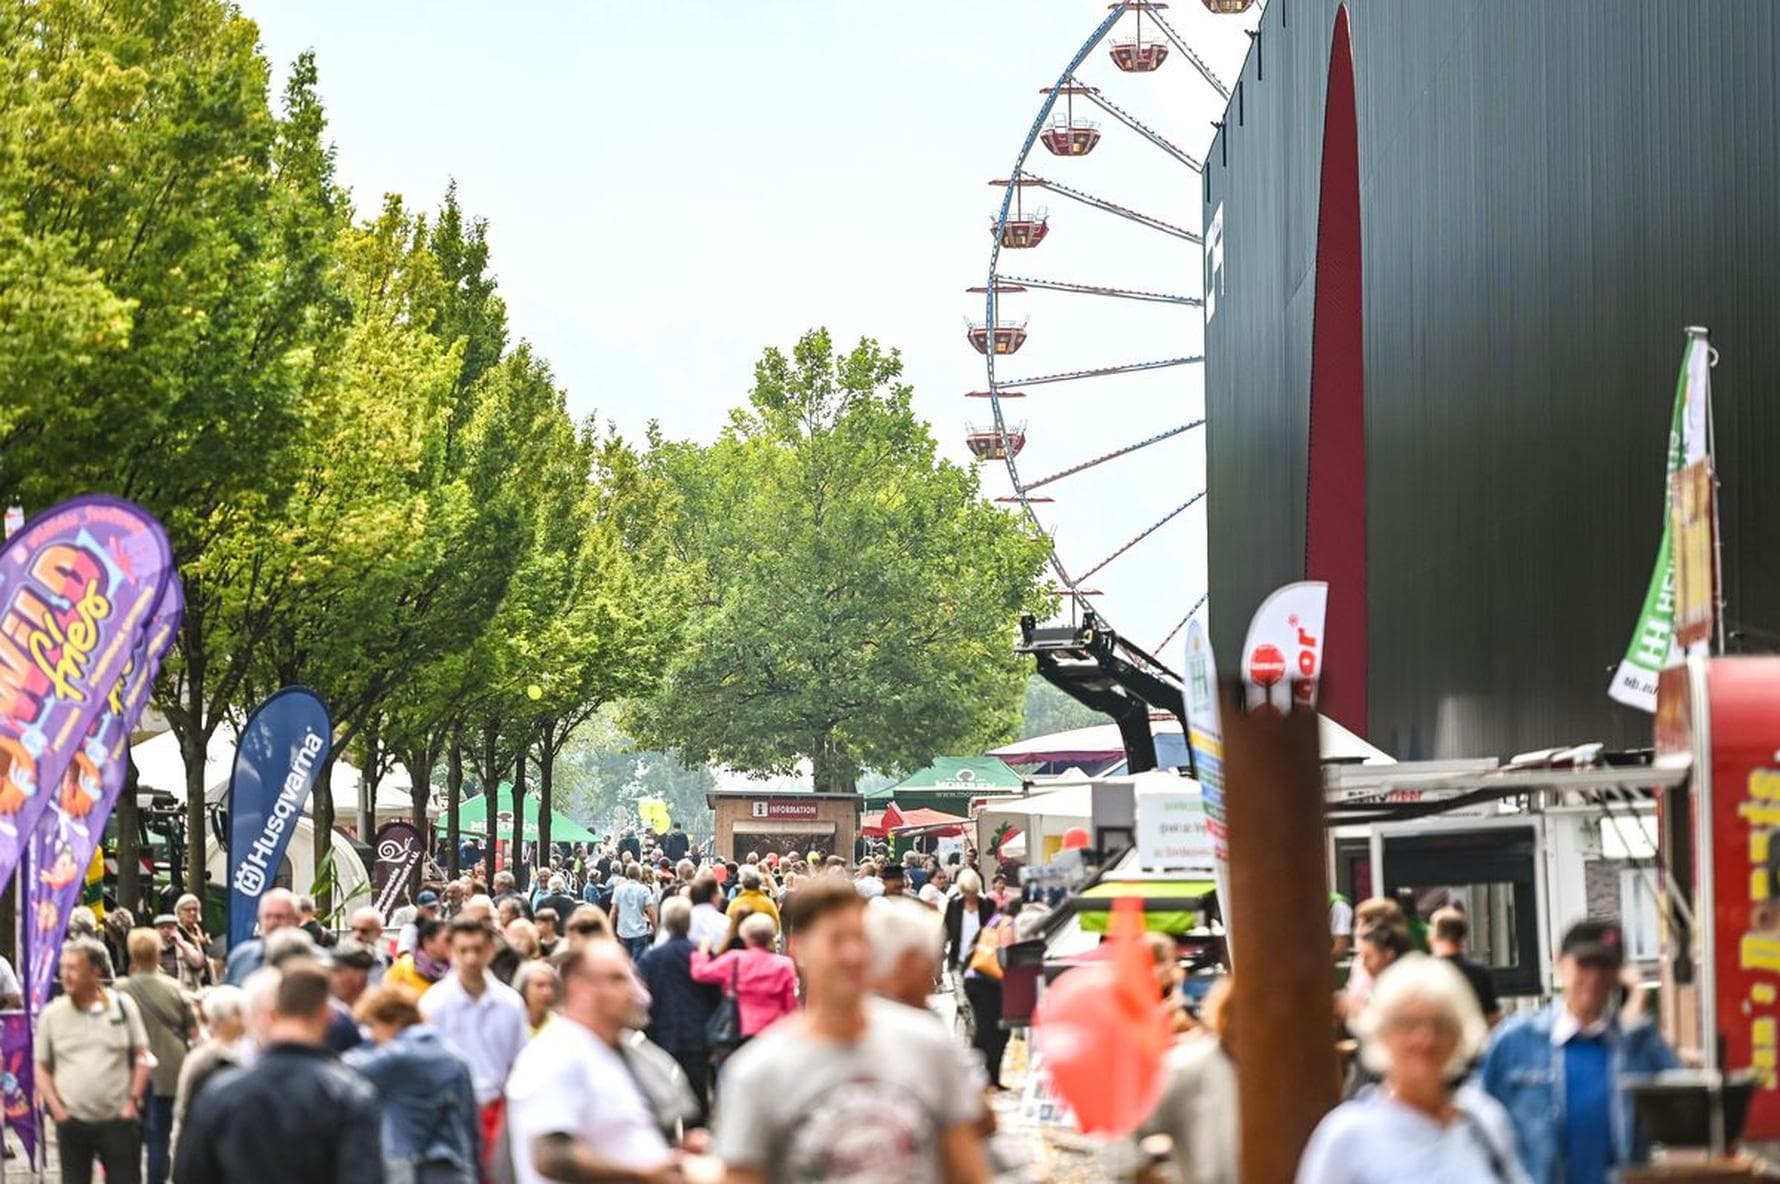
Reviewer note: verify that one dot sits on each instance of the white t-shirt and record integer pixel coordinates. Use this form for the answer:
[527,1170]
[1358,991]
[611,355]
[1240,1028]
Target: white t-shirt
[1341,918]
[1376,1139]
[970,925]
[932,894]
[572,1082]
[803,1110]
[708,924]
[869,886]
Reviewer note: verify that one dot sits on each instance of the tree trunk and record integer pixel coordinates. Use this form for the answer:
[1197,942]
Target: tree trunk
[546,754]
[420,775]
[491,783]
[191,751]
[129,846]
[323,818]
[454,785]
[518,850]
[367,783]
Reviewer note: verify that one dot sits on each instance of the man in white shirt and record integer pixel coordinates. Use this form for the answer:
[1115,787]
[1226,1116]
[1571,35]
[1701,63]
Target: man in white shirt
[574,1110]
[480,1017]
[866,883]
[709,923]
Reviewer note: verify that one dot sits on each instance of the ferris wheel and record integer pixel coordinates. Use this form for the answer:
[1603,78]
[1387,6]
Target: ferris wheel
[1099,435]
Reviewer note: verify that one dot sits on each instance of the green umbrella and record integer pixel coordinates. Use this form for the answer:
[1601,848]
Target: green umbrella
[472,818]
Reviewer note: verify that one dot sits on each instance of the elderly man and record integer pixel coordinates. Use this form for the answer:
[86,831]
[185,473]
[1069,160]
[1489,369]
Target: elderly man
[576,1110]
[92,1069]
[366,927]
[278,910]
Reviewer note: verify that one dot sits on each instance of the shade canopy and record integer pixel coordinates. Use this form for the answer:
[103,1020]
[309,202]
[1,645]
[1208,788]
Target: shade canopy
[160,768]
[472,818]
[953,776]
[1101,746]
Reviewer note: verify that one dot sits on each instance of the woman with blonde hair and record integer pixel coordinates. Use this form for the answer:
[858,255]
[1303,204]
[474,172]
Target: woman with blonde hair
[1419,1032]
[432,1131]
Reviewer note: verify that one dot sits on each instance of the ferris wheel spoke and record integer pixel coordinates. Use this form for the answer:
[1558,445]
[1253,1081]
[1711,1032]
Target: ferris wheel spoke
[1011,283]
[1114,455]
[1110,207]
[1147,531]
[1182,624]
[1099,372]
[1093,95]
[1187,52]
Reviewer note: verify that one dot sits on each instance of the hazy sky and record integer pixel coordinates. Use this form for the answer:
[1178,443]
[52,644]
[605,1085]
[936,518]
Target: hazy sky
[672,186]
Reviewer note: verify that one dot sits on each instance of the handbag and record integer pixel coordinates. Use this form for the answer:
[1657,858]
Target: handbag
[985,957]
[723,1030]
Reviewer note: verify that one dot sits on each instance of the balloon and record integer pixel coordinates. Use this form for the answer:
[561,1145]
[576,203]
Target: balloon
[1075,836]
[1101,1034]
[720,873]
[534,692]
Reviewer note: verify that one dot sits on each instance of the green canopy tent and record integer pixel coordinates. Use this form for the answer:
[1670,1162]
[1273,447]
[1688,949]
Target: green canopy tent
[949,784]
[472,819]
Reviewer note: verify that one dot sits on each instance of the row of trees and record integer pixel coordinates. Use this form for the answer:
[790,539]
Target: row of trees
[374,489]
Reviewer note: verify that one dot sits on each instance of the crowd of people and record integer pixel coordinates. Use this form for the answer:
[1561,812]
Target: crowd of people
[640,1017]
[631,1017]
[1441,1085]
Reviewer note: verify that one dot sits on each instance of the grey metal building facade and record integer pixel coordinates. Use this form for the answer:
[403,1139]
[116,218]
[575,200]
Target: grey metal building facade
[1549,193]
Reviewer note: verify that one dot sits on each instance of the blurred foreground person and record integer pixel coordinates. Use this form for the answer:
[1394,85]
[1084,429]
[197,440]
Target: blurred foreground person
[679,1007]
[575,1108]
[167,1018]
[1198,1106]
[479,1017]
[92,1065]
[1558,1070]
[224,1010]
[297,1116]
[1420,1030]
[432,1129]
[852,1087]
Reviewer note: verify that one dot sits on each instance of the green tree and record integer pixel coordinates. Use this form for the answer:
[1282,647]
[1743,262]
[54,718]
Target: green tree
[860,598]
[180,234]
[1049,710]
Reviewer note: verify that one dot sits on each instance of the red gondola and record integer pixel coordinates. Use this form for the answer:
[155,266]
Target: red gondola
[989,444]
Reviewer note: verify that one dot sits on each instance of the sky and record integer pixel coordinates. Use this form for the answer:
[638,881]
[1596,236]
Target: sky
[671,187]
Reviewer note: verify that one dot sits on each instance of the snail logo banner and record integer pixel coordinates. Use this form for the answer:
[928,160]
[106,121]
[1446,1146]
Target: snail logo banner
[398,854]
[78,585]
[70,830]
[281,753]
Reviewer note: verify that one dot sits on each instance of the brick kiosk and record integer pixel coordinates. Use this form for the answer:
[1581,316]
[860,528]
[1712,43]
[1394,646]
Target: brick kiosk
[784,821]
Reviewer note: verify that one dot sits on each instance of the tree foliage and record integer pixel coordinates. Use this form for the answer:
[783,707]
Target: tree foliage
[860,596]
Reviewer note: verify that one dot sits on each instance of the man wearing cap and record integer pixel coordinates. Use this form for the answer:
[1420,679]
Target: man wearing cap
[425,908]
[1557,1071]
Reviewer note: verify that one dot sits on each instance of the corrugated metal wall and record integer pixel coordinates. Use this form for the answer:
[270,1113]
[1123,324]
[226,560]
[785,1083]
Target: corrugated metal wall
[1550,192]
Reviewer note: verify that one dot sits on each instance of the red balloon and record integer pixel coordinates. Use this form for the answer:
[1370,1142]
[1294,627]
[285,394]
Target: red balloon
[1075,836]
[1102,1036]
[720,873]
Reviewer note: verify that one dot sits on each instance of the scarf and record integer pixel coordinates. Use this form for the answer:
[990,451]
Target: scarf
[431,969]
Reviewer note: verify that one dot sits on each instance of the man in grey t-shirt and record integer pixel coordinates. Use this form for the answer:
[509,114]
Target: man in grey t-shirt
[851,1089]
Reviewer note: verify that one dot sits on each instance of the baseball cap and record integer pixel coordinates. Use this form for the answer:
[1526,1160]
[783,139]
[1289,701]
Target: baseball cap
[428,897]
[890,871]
[166,919]
[1595,941]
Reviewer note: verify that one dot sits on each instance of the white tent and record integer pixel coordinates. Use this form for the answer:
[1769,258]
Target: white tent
[1101,743]
[1062,806]
[160,768]
[352,886]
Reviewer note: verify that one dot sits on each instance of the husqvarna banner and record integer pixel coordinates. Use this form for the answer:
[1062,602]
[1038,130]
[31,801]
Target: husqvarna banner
[1653,642]
[1282,660]
[281,752]
[70,830]
[78,585]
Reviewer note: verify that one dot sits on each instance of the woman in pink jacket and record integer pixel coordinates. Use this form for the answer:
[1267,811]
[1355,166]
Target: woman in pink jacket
[763,984]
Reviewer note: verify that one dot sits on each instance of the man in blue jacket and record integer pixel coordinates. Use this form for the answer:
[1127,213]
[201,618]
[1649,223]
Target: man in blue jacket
[1558,1071]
